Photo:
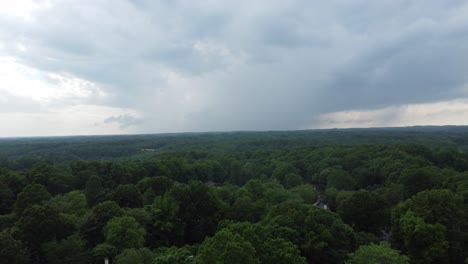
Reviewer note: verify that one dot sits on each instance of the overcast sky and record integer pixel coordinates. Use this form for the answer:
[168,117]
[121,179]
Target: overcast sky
[72,67]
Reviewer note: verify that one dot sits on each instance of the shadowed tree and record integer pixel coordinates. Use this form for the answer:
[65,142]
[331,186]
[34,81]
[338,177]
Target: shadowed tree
[175,255]
[326,238]
[93,190]
[7,199]
[135,256]
[94,224]
[12,251]
[39,224]
[365,211]
[70,250]
[31,195]
[127,195]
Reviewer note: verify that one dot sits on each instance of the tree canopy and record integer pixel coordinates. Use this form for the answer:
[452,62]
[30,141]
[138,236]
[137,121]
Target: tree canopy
[345,196]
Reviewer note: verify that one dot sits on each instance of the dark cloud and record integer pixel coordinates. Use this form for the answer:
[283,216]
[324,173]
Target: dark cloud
[415,73]
[233,65]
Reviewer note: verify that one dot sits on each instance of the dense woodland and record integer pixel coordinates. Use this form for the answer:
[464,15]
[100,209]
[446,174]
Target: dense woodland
[391,196]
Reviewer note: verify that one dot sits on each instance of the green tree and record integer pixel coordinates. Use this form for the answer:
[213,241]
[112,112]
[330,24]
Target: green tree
[425,243]
[148,197]
[7,199]
[31,195]
[437,217]
[11,250]
[281,251]
[326,239]
[291,214]
[60,181]
[105,211]
[124,232]
[418,179]
[330,195]
[14,181]
[255,188]
[292,180]
[306,192]
[198,210]
[135,256]
[275,193]
[175,255]
[270,246]
[73,203]
[141,215]
[95,222]
[93,190]
[152,187]
[69,250]
[437,206]
[365,211]
[103,251]
[377,253]
[245,209]
[40,173]
[167,228]
[127,195]
[340,180]
[39,224]
[286,174]
[227,248]
[392,193]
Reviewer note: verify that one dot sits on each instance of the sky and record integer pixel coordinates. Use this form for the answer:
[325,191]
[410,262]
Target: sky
[92,67]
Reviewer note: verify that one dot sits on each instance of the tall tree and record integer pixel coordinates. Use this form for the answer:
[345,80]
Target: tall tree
[135,256]
[7,199]
[127,195]
[437,215]
[124,232]
[226,247]
[31,195]
[269,244]
[365,211]
[175,255]
[425,243]
[95,222]
[326,239]
[70,250]
[377,253]
[93,190]
[39,224]
[12,251]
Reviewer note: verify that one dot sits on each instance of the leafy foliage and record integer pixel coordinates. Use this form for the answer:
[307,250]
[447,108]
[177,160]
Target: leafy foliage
[377,253]
[124,232]
[255,197]
[12,250]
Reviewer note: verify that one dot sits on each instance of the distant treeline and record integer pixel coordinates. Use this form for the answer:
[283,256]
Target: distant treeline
[64,149]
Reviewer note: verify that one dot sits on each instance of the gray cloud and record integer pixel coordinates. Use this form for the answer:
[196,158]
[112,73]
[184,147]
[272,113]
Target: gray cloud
[123,121]
[233,65]
[10,103]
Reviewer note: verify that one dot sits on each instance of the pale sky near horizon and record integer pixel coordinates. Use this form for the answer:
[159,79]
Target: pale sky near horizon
[145,66]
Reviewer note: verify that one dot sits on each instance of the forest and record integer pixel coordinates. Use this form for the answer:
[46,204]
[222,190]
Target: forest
[355,196]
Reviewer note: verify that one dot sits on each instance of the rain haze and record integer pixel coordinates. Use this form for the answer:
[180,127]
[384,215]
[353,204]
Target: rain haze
[142,66]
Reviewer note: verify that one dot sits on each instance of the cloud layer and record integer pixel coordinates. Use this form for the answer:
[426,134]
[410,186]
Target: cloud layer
[166,66]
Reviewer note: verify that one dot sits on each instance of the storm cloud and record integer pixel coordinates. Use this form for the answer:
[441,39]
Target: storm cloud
[170,66]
